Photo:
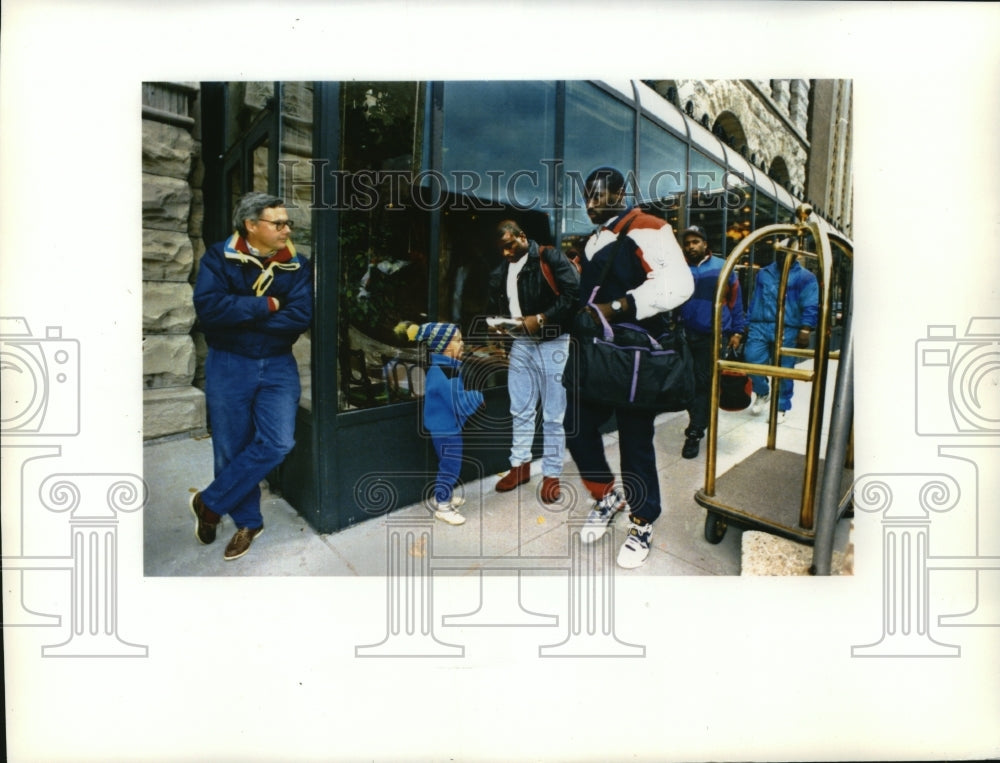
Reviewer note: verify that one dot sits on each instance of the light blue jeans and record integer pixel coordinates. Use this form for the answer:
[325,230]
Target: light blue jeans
[535,374]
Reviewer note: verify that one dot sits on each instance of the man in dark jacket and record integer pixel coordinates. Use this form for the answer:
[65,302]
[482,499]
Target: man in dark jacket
[646,278]
[698,314]
[253,298]
[538,287]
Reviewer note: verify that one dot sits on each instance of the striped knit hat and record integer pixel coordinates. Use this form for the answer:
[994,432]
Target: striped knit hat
[437,335]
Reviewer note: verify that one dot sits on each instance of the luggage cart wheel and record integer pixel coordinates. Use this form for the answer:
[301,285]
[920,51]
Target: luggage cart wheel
[715,528]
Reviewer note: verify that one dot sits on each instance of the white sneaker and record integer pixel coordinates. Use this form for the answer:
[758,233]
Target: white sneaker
[446,513]
[781,416]
[635,549]
[456,501]
[759,403]
[602,515]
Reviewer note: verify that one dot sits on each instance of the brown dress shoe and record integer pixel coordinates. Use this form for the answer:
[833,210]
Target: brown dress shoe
[205,520]
[550,489]
[240,543]
[516,476]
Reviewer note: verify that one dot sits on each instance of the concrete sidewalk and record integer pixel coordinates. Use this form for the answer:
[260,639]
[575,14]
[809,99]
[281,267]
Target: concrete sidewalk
[501,526]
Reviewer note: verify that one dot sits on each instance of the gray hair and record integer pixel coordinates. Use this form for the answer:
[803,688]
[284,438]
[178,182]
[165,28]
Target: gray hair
[250,206]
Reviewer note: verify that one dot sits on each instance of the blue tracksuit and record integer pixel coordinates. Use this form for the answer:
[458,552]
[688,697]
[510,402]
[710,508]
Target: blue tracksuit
[801,310]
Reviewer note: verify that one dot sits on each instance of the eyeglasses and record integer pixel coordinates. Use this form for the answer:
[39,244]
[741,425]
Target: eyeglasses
[279,224]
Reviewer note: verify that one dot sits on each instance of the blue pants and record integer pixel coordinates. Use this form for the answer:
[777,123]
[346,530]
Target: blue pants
[251,408]
[449,453]
[535,374]
[635,448]
[760,349]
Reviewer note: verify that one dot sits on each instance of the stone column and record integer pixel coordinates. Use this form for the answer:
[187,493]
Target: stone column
[780,93]
[905,502]
[171,230]
[591,584]
[409,595]
[798,104]
[93,502]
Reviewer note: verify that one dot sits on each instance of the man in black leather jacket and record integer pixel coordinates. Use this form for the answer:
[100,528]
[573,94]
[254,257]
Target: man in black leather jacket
[537,286]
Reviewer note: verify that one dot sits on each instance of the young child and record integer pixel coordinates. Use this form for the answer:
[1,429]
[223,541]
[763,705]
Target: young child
[447,406]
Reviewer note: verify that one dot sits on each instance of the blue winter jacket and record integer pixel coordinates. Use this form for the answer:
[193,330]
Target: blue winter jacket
[231,299]
[801,297]
[447,404]
[698,311]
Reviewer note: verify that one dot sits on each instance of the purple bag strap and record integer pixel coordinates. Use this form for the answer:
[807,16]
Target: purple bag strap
[609,333]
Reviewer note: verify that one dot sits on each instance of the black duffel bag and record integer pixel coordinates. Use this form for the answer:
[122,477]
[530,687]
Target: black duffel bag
[735,387]
[625,366]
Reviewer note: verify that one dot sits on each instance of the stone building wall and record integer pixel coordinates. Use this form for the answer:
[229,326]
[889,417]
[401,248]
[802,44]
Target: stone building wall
[171,240]
[772,115]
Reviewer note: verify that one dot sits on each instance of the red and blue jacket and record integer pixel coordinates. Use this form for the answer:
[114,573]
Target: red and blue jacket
[252,306]
[650,268]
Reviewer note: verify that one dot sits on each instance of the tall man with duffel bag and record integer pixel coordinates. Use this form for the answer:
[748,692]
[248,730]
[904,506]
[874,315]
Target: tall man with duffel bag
[633,271]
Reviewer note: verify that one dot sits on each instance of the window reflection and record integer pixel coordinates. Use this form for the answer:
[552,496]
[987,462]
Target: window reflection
[599,131]
[739,220]
[662,172]
[708,199]
[383,257]
[499,141]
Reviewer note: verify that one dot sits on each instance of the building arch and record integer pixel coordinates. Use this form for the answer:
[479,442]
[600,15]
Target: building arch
[729,130]
[778,172]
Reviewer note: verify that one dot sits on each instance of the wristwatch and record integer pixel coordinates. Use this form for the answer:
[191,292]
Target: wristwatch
[617,306]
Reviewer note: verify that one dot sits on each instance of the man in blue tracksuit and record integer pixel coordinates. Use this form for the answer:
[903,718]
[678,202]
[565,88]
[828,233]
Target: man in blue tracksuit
[697,314]
[253,298]
[801,313]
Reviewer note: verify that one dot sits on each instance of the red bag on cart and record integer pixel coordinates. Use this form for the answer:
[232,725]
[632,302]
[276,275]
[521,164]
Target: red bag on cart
[735,387]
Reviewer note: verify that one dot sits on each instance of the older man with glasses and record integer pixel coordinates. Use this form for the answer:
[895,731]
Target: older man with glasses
[253,298]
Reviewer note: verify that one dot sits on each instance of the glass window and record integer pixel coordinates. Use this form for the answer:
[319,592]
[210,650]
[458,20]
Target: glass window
[763,251]
[383,244]
[600,130]
[707,199]
[662,171]
[739,208]
[259,174]
[499,141]
[498,149]
[245,101]
[766,211]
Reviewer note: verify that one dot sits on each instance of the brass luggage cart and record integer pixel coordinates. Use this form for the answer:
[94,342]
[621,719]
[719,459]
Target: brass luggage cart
[775,490]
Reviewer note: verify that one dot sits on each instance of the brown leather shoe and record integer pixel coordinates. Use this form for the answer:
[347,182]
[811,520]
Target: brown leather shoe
[550,490]
[240,543]
[516,476]
[205,520]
